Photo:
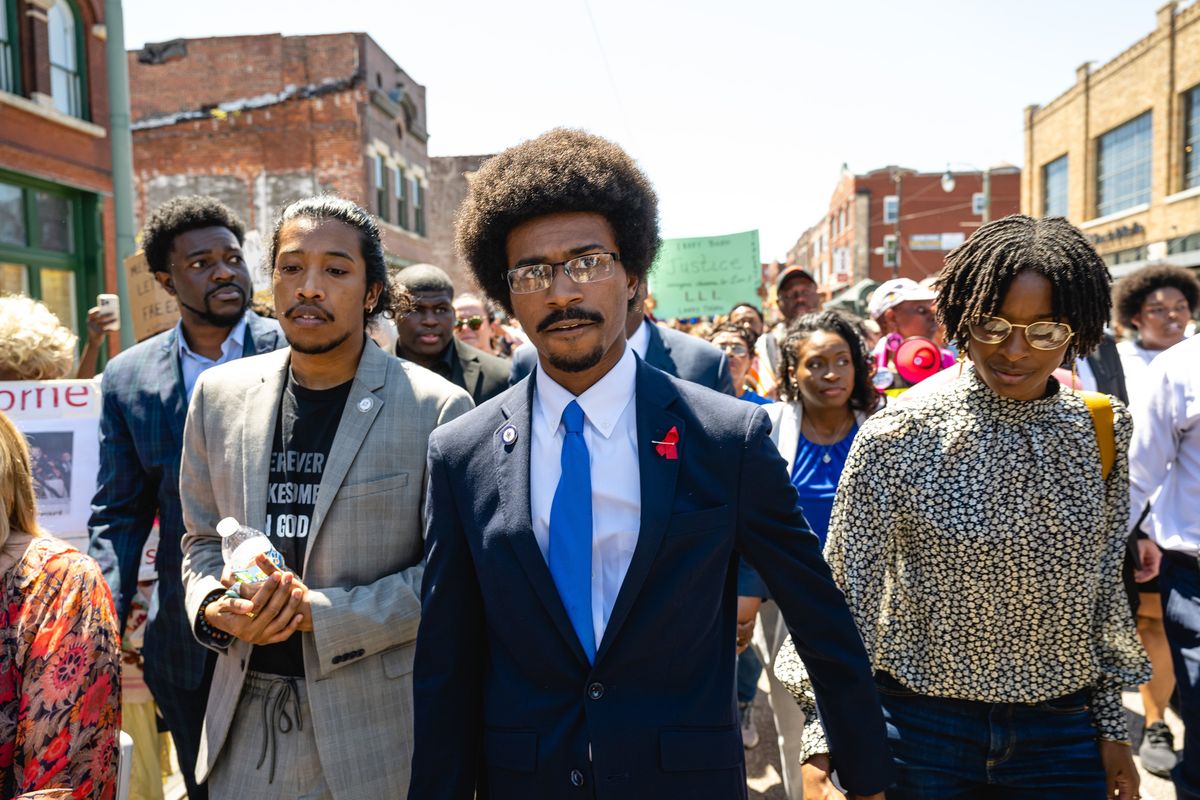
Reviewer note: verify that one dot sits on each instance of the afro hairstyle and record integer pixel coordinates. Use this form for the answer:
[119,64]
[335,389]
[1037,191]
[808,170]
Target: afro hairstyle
[562,170]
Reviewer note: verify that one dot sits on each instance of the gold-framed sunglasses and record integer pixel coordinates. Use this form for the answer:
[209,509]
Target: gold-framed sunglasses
[582,269]
[1039,335]
[474,323]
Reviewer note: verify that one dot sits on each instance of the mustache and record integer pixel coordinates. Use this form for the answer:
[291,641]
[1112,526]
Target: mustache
[309,308]
[572,313]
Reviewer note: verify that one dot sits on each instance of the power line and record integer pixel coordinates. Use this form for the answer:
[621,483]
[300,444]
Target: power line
[612,83]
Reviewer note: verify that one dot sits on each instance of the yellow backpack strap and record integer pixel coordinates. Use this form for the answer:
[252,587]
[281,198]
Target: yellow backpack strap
[1100,406]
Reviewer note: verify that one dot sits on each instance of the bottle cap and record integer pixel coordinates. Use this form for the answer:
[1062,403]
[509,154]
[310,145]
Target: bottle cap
[228,526]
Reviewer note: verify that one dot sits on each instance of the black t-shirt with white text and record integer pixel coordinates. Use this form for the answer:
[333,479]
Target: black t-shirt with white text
[304,432]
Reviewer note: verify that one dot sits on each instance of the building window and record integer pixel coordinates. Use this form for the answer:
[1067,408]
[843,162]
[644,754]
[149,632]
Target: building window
[891,209]
[66,83]
[381,189]
[40,253]
[1123,167]
[399,185]
[418,204]
[8,47]
[889,251]
[979,202]
[1125,256]
[842,221]
[1054,188]
[1191,138]
[1183,244]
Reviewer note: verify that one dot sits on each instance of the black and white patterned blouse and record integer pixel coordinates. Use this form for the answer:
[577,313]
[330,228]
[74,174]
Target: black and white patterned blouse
[980,552]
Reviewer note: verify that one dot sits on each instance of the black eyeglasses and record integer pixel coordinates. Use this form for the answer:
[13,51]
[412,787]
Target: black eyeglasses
[474,323]
[583,269]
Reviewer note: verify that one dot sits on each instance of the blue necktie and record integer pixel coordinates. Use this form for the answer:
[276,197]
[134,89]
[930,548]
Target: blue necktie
[571,530]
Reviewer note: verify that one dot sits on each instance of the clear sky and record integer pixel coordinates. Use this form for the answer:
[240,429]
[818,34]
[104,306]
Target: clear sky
[741,112]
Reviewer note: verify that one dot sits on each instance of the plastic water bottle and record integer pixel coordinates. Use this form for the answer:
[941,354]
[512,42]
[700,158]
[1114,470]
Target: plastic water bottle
[240,546]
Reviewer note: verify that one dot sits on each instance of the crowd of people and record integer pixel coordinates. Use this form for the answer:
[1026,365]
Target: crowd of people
[528,540]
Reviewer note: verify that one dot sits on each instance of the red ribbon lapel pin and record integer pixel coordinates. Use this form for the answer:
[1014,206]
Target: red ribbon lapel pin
[666,448]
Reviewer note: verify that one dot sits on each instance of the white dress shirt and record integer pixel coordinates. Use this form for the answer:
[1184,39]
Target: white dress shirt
[1165,450]
[194,363]
[610,431]
[640,339]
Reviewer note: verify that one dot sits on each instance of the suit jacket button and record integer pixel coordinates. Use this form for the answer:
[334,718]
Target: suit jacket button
[576,778]
[596,691]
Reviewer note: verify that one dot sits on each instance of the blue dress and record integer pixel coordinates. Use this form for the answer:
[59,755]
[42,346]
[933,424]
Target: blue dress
[815,474]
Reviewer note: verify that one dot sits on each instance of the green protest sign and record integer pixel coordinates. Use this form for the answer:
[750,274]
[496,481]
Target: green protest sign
[706,275]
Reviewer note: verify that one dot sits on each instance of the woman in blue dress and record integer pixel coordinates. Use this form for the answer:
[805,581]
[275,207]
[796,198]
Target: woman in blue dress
[825,392]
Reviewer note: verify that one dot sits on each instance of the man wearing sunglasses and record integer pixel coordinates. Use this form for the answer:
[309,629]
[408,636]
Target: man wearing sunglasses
[583,529]
[426,336]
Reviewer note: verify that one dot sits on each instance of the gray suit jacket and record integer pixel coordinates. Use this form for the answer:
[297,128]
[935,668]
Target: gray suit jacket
[363,562]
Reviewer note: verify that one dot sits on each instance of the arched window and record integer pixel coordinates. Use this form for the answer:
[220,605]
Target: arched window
[8,46]
[65,79]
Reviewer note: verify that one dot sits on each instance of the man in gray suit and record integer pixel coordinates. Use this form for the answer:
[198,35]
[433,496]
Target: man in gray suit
[322,447]
[673,352]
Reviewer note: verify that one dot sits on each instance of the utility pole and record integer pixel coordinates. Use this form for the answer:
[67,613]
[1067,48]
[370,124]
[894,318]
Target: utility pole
[122,155]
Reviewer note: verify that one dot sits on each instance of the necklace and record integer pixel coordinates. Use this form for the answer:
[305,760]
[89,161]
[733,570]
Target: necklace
[826,440]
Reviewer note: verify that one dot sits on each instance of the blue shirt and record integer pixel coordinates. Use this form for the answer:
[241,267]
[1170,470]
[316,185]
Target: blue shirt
[815,474]
[193,363]
[752,397]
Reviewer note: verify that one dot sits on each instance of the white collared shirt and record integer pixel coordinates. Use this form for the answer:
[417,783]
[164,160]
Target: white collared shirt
[640,339]
[1165,451]
[610,431]
[194,363]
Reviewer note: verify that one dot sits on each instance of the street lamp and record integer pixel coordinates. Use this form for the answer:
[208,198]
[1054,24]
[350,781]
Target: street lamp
[948,184]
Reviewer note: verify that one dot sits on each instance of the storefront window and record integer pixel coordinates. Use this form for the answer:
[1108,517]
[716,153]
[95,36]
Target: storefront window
[41,231]
[12,215]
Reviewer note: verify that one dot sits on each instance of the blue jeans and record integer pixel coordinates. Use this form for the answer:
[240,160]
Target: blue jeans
[1179,580]
[748,670]
[966,750]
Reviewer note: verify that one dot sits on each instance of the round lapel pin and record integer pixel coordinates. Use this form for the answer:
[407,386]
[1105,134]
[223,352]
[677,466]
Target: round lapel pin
[508,435]
[364,405]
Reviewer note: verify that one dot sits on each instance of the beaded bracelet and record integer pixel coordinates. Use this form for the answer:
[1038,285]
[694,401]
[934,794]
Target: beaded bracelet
[219,637]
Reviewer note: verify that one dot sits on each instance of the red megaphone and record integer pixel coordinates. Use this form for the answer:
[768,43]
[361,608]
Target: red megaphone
[917,358]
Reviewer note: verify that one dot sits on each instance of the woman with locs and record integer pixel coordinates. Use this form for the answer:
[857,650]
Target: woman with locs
[979,543]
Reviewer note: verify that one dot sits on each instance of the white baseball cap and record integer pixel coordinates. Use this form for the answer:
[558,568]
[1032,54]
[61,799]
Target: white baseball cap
[890,294]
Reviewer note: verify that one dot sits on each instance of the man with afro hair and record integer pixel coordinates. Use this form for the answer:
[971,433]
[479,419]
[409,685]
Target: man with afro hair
[194,249]
[584,529]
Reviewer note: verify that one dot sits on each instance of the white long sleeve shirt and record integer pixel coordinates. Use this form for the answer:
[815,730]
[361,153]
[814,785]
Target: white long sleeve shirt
[1165,451]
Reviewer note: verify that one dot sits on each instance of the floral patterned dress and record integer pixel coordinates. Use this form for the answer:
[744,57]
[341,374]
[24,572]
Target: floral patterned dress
[59,677]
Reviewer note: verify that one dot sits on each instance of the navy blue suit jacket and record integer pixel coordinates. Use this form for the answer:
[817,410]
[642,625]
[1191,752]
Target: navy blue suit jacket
[506,702]
[141,442]
[675,353]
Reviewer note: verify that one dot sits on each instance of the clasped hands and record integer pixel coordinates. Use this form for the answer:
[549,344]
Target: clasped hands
[266,612]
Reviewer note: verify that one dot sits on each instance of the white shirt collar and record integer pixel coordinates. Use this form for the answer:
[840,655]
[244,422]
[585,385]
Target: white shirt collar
[237,336]
[602,403]
[641,338]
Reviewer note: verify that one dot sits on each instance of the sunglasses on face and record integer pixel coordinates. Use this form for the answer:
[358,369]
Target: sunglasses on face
[735,349]
[474,323]
[1039,335]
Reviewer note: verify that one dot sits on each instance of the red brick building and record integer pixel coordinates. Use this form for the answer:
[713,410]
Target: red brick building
[56,236]
[259,121]
[897,222]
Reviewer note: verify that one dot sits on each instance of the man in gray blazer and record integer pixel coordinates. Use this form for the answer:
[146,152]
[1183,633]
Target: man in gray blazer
[321,446]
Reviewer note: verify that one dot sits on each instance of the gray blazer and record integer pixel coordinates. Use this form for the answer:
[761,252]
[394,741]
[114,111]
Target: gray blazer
[363,562]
